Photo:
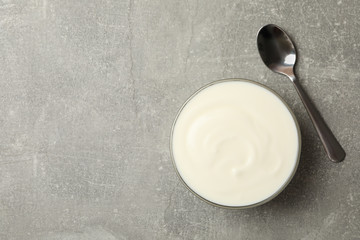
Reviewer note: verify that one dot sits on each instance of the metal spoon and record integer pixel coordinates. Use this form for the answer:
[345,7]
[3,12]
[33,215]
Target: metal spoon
[278,53]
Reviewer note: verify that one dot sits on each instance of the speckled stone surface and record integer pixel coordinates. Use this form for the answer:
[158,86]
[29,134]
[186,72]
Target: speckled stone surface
[89,90]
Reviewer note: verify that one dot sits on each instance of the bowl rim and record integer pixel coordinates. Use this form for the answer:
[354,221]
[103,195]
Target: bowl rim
[275,194]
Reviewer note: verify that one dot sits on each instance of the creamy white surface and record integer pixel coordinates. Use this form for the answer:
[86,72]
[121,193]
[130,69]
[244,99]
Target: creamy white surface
[235,143]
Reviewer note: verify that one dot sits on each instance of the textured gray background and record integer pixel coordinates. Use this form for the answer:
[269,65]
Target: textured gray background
[89,90]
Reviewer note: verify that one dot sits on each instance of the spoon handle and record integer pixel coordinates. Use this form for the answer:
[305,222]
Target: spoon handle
[332,147]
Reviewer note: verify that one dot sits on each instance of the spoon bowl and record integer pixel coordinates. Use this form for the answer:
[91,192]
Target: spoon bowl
[277,50]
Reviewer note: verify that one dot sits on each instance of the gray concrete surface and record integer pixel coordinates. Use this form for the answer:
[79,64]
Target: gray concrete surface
[89,90]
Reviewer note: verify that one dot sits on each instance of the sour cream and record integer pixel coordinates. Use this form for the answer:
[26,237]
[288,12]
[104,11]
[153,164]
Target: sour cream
[235,143]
